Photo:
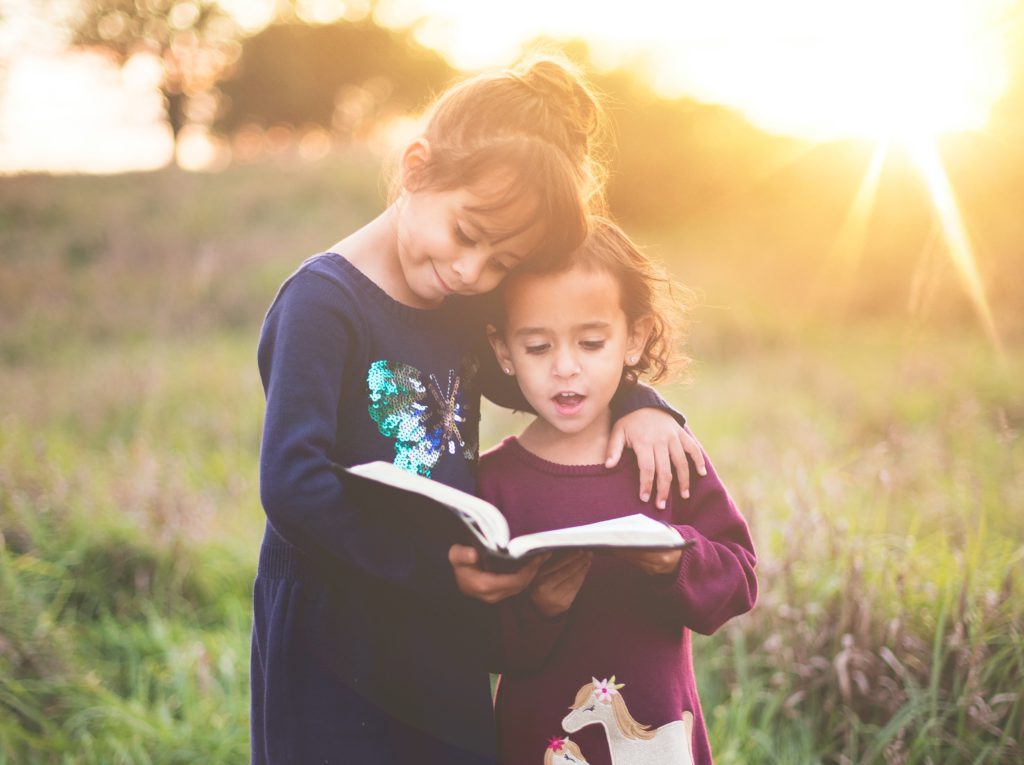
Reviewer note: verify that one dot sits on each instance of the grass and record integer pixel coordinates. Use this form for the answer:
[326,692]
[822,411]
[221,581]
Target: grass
[879,462]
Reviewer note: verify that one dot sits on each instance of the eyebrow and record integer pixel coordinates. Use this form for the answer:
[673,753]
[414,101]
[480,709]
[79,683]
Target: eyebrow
[577,328]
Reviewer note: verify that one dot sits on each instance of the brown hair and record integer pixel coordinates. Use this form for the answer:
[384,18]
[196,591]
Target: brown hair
[540,124]
[645,290]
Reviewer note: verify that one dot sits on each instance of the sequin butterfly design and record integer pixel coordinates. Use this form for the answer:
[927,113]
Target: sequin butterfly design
[424,416]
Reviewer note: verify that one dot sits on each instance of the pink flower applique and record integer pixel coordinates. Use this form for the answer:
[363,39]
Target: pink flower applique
[605,689]
[556,744]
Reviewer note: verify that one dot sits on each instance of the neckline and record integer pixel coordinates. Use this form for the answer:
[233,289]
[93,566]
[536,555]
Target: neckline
[377,293]
[558,468]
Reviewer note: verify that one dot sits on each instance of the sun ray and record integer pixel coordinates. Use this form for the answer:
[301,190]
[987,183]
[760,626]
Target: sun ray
[843,257]
[925,154]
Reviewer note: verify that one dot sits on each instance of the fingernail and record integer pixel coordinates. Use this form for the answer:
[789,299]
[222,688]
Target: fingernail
[686,494]
[644,497]
[702,471]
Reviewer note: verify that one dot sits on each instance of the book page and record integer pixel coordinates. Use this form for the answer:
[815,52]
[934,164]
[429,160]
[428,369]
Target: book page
[636,530]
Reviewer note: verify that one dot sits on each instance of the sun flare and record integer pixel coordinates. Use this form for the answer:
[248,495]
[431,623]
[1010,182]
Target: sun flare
[826,69]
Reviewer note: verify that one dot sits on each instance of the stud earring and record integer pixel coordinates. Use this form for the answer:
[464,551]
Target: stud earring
[632,360]
[508,371]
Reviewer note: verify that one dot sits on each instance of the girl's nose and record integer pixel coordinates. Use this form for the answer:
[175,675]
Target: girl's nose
[469,267]
[566,364]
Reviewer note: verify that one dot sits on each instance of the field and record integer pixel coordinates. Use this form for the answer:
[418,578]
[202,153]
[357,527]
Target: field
[877,455]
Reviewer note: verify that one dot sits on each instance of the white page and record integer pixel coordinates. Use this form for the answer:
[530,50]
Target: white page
[636,530]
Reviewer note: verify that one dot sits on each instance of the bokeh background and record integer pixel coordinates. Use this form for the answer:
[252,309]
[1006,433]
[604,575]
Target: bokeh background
[840,182]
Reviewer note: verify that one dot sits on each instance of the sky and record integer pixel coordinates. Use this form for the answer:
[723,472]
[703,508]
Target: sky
[819,69]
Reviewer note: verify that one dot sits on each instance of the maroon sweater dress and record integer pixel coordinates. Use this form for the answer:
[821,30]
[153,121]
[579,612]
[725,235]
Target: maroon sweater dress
[623,623]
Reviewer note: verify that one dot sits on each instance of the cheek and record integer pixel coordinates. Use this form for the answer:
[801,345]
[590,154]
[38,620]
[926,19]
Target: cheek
[487,282]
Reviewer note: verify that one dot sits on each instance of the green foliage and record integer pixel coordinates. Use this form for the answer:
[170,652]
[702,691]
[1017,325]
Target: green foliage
[194,39]
[344,75]
[880,464]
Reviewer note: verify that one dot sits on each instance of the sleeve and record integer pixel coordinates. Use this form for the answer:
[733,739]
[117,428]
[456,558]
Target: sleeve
[715,580]
[306,341]
[629,398]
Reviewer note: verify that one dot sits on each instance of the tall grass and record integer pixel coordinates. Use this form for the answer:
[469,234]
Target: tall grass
[881,467]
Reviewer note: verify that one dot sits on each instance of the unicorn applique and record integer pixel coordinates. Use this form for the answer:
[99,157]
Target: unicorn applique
[562,751]
[629,742]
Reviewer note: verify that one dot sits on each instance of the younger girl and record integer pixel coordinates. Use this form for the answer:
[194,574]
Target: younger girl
[571,337]
[365,648]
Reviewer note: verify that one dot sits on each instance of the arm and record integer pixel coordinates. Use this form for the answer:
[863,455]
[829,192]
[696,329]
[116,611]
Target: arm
[713,580]
[307,342]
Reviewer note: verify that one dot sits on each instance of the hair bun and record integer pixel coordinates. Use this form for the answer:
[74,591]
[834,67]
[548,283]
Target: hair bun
[566,96]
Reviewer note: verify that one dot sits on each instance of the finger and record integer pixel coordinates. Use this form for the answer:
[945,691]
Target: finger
[560,561]
[692,447]
[569,579]
[523,576]
[463,555]
[645,463]
[580,564]
[581,573]
[616,443]
[663,466]
[682,467]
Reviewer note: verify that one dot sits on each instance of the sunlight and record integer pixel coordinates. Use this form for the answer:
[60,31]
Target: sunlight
[849,244]
[925,154]
[95,117]
[818,69]
[826,69]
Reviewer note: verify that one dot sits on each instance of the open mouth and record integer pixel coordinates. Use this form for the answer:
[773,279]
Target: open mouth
[568,402]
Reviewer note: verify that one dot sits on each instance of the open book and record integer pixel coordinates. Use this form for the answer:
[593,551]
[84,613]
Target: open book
[489,528]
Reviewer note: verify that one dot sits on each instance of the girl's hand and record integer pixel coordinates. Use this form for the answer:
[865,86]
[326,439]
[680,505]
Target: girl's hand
[556,585]
[659,444]
[484,585]
[653,562]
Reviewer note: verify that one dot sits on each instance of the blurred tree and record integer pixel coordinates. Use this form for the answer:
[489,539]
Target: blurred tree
[195,41]
[342,76]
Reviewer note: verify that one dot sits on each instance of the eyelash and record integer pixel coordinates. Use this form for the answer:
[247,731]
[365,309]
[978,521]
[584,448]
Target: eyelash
[463,237]
[587,345]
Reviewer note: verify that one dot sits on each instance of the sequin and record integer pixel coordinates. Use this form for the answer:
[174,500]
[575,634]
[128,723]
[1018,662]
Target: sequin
[424,417]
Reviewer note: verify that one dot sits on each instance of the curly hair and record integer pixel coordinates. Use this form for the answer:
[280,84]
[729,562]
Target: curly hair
[646,291]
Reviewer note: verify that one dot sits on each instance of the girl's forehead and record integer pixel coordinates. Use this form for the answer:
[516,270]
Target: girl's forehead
[567,294]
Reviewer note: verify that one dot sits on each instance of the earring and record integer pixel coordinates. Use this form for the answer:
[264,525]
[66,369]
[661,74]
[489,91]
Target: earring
[631,360]
[508,371]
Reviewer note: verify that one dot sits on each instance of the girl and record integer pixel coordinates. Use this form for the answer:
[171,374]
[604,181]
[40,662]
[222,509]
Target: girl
[571,338]
[364,647]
